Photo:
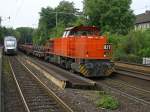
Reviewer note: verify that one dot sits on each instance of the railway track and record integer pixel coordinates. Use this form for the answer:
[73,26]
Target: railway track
[122,88]
[36,96]
[71,80]
[134,93]
[133,70]
[11,101]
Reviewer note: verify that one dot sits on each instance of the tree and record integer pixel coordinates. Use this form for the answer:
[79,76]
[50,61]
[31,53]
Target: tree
[24,34]
[47,24]
[6,32]
[47,18]
[66,13]
[1,35]
[132,47]
[113,16]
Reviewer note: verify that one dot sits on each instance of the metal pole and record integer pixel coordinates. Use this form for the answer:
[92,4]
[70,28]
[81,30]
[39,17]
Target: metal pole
[56,22]
[56,18]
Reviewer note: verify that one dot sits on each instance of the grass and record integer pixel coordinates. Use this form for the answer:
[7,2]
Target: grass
[6,70]
[107,101]
[6,65]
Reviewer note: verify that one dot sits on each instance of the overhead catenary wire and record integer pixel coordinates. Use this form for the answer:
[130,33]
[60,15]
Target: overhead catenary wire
[147,7]
[18,9]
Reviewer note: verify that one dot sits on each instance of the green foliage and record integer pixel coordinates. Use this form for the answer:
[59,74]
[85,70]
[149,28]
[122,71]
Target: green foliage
[24,34]
[132,47]
[6,66]
[67,11]
[114,16]
[106,101]
[6,32]
[47,24]
[1,35]
[58,31]
[36,36]
[81,20]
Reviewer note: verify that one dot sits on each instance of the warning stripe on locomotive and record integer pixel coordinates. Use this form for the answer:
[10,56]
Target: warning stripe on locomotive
[84,70]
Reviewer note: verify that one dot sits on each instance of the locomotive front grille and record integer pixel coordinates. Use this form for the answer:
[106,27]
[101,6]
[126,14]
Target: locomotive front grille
[11,51]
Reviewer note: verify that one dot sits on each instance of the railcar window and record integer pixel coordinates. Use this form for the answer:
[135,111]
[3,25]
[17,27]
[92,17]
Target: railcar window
[79,33]
[72,32]
[10,43]
[64,35]
[83,32]
[67,33]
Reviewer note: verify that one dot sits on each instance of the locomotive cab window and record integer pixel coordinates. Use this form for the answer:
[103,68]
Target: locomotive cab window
[66,34]
[83,33]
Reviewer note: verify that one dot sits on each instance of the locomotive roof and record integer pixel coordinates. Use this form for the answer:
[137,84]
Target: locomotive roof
[10,38]
[82,28]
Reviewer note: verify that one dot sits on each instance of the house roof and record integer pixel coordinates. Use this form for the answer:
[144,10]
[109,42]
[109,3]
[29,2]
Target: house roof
[143,18]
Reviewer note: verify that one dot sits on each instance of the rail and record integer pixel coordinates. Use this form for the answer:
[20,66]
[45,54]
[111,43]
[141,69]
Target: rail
[26,84]
[108,87]
[133,70]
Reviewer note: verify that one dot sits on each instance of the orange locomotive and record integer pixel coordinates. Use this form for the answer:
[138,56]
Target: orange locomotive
[81,49]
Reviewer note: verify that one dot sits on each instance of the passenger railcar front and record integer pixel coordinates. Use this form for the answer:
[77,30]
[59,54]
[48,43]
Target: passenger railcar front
[10,45]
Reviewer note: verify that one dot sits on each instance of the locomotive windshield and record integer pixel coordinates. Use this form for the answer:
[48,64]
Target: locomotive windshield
[10,43]
[81,31]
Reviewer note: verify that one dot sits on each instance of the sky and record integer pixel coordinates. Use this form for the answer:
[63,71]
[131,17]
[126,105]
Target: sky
[25,13]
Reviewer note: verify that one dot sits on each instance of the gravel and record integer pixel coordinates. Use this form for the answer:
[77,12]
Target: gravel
[11,100]
[85,100]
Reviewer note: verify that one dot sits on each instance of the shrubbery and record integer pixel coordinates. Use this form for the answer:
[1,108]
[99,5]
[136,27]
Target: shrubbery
[107,101]
[132,47]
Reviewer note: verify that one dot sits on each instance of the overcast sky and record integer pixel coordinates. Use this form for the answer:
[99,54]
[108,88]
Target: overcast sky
[26,12]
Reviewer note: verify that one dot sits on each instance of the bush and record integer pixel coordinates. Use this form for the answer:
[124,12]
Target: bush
[107,102]
[131,47]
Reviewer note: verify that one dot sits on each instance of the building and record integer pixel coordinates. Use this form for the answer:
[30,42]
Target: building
[142,21]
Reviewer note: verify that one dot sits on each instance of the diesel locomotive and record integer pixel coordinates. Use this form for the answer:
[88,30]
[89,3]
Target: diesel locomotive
[81,49]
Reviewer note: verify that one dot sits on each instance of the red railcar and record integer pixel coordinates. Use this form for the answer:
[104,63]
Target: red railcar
[81,49]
